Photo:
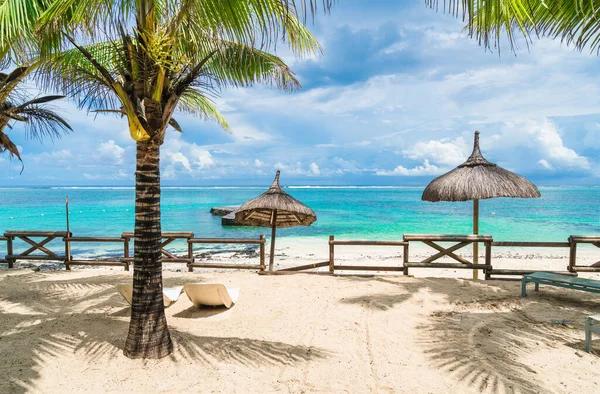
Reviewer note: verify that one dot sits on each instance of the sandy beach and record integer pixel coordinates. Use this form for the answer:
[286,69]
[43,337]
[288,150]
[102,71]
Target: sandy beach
[64,332]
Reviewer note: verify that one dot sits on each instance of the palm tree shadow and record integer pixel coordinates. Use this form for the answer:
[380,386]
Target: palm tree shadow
[380,301]
[480,341]
[32,336]
[245,351]
[483,349]
[125,312]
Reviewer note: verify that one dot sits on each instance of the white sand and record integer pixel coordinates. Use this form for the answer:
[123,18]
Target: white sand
[62,332]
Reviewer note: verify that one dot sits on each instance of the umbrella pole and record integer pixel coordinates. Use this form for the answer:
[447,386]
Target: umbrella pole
[475,231]
[273,231]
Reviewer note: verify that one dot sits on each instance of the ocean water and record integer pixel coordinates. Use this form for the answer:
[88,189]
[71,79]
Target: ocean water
[384,213]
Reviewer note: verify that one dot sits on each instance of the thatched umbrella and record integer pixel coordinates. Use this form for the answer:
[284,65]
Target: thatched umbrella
[478,179]
[274,208]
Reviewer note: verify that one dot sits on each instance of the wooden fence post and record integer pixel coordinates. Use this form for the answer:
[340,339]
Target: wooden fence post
[262,252]
[67,250]
[125,250]
[572,254]
[331,257]
[488,258]
[405,259]
[190,254]
[9,251]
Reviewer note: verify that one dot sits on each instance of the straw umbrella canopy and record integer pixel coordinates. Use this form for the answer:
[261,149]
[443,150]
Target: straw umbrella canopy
[274,208]
[478,179]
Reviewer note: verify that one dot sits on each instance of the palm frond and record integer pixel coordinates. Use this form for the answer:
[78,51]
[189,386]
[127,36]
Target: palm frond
[572,21]
[10,82]
[42,100]
[39,121]
[71,73]
[194,102]
[253,22]
[17,25]
[43,123]
[6,145]
[174,124]
[239,65]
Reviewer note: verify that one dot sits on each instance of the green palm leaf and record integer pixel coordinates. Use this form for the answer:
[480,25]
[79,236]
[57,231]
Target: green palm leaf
[573,21]
[40,122]
[222,63]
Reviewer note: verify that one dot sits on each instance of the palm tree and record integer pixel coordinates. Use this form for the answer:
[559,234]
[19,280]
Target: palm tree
[573,21]
[39,121]
[145,59]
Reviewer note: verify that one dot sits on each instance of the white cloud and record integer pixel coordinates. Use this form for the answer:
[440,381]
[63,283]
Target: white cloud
[540,138]
[293,169]
[545,164]
[425,169]
[120,174]
[444,40]
[179,155]
[258,163]
[314,169]
[109,152]
[445,153]
[249,133]
[201,157]
[395,47]
[179,158]
[326,146]
[345,166]
[61,157]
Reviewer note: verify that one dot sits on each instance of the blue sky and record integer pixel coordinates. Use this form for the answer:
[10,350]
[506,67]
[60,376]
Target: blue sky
[393,100]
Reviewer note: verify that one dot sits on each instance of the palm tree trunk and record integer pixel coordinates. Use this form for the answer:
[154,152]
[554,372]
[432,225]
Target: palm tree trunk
[148,335]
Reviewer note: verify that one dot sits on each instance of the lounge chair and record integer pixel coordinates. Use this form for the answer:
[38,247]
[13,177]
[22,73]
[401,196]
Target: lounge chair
[211,294]
[170,294]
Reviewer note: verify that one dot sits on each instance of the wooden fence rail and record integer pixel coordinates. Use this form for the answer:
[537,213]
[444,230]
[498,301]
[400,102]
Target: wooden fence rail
[40,245]
[333,242]
[525,271]
[167,238]
[243,241]
[116,261]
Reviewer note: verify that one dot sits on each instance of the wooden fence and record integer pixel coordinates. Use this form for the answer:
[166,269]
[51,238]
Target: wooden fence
[574,240]
[459,241]
[40,250]
[39,245]
[38,241]
[525,271]
[244,241]
[333,243]
[113,261]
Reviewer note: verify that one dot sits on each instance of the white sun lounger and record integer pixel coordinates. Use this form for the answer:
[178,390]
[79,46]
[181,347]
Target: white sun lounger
[170,294]
[212,294]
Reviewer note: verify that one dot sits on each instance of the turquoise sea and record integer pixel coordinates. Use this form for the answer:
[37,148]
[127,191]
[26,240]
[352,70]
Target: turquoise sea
[347,212]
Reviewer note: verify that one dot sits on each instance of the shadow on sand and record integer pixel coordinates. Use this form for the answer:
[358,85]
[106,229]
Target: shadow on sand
[43,323]
[482,341]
